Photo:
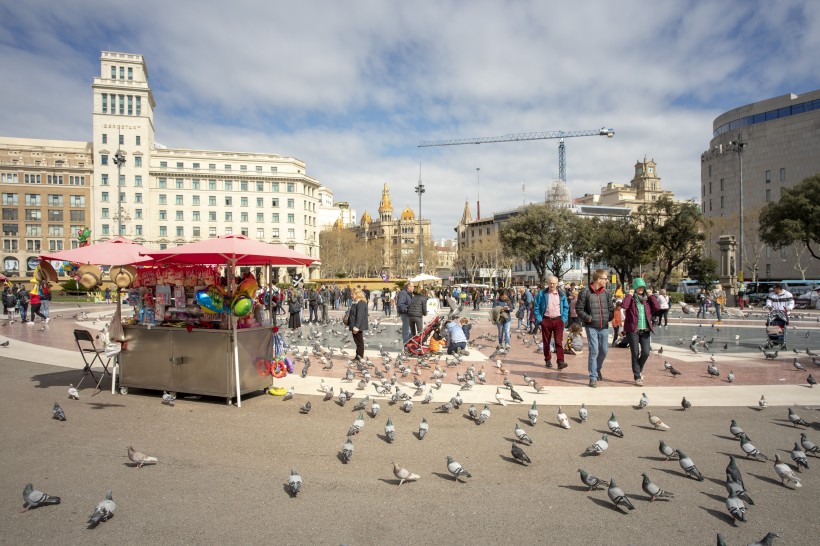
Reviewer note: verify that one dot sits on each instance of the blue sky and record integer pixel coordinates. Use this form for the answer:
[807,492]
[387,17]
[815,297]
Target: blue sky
[352,87]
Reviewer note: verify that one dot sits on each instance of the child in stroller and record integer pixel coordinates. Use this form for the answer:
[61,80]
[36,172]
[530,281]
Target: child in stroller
[776,323]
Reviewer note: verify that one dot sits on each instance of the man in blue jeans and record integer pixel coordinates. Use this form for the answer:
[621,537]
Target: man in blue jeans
[594,308]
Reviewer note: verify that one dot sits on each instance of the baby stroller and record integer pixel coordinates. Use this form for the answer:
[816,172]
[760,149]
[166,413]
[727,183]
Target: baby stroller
[416,345]
[776,323]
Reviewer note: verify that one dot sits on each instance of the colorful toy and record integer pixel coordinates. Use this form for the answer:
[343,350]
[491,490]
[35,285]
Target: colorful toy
[211,300]
[242,306]
[83,235]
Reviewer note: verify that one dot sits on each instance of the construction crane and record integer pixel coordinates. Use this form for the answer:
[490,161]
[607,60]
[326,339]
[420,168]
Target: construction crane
[561,135]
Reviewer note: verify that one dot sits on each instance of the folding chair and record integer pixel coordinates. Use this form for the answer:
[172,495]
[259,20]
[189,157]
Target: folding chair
[87,347]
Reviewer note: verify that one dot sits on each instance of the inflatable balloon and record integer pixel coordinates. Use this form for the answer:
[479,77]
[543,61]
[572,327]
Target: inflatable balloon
[242,306]
[248,286]
[83,235]
[211,300]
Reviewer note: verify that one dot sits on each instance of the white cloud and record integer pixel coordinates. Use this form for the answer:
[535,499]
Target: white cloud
[352,87]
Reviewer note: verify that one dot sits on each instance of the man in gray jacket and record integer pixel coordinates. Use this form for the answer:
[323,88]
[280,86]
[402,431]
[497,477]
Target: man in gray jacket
[594,308]
[402,307]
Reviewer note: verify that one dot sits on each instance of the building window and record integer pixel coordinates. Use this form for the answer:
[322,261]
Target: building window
[138,197]
[122,180]
[782,174]
[212,200]
[274,202]
[163,164]
[195,166]
[162,183]
[243,201]
[163,199]
[227,167]
[228,185]
[9,198]
[228,201]
[179,216]
[55,200]
[104,180]
[260,216]
[212,184]
[104,108]
[138,230]
[212,216]
[260,186]
[274,217]
[196,231]
[130,106]
[768,177]
[180,231]
[228,230]
[721,185]
[243,216]
[243,185]
[33,199]
[55,215]
[55,245]
[179,200]
[259,168]
[195,217]
[139,113]
[721,201]
[274,233]
[274,186]
[260,233]
[229,217]
[291,218]
[195,199]
[103,159]
[138,139]
[768,194]
[76,201]
[104,135]
[104,213]
[137,161]
[291,187]
[33,246]
[163,215]
[122,104]
[138,181]
[180,165]
[163,231]
[77,215]
[291,233]
[291,203]
[211,232]
[195,184]
[211,166]
[138,214]
[56,231]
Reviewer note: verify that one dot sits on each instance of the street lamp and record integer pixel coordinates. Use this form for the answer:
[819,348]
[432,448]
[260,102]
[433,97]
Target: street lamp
[420,190]
[478,194]
[119,161]
[366,229]
[739,145]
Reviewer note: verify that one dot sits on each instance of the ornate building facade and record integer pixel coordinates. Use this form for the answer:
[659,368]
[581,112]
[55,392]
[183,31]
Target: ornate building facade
[645,187]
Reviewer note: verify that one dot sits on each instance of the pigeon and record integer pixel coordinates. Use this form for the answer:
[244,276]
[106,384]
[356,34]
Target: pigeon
[532,414]
[428,397]
[168,399]
[798,366]
[306,408]
[290,394]
[591,481]
[455,468]
[519,455]
[484,415]
[362,404]
[785,472]
[750,450]
[294,482]
[767,540]
[811,381]
[712,370]
[472,411]
[688,466]
[499,397]
[763,403]
[720,540]
[799,457]
[674,371]
[583,413]
[515,396]
[522,436]
[598,447]
[57,412]
[140,458]
[33,498]
[563,420]
[328,395]
[731,377]
[666,451]
[403,474]
[809,446]
[656,422]
[423,428]
[347,450]
[358,424]
[617,496]
[445,408]
[653,490]
[103,512]
[733,472]
[374,409]
[5,343]
[732,486]
[614,427]
[643,402]
[390,430]
[73,393]
[735,430]
[793,417]
[685,404]
[407,406]
[736,507]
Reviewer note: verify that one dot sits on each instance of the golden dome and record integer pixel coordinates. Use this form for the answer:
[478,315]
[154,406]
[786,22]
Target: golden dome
[338,224]
[385,205]
[366,218]
[407,214]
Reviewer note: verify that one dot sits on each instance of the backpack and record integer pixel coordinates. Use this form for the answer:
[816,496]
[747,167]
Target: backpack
[9,300]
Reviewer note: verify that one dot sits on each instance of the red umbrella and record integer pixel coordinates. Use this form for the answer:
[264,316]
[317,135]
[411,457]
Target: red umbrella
[115,251]
[230,250]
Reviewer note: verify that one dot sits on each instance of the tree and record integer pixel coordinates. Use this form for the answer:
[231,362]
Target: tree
[672,233]
[703,270]
[338,249]
[616,238]
[795,218]
[542,235]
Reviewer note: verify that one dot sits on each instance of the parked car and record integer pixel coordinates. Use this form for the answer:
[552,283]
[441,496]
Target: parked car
[808,300]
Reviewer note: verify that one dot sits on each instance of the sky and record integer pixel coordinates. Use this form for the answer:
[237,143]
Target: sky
[353,87]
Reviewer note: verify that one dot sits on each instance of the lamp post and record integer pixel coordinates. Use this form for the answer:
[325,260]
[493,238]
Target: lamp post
[739,145]
[366,229]
[478,194]
[119,161]
[420,190]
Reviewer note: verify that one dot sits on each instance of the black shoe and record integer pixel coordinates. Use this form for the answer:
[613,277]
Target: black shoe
[562,364]
[600,377]
[548,364]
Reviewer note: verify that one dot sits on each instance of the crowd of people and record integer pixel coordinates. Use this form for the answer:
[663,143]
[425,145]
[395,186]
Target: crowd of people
[18,300]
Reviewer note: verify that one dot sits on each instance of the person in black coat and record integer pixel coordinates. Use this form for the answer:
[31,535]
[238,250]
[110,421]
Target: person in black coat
[357,322]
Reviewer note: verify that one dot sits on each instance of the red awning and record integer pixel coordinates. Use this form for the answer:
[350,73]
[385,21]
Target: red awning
[115,251]
[230,249]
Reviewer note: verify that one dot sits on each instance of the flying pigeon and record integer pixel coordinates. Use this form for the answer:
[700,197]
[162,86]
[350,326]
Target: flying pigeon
[750,450]
[423,428]
[799,457]
[614,427]
[455,468]
[294,482]
[785,473]
[532,414]
[403,474]
[35,499]
[793,417]
[653,490]
[591,481]
[688,466]
[390,430]
[73,393]
[103,512]
[617,495]
[347,450]
[519,455]
[57,412]
[808,445]
[737,489]
[140,458]
[666,451]
[583,413]
[306,408]
[598,447]
[657,422]
[736,507]
[563,420]
[644,401]
[685,404]
[522,436]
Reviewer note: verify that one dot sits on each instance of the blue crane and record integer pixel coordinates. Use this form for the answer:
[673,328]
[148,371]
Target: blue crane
[516,137]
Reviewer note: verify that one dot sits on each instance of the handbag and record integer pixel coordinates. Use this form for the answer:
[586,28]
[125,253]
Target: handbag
[721,300]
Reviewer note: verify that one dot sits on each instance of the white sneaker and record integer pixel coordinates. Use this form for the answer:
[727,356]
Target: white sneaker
[30,322]
[46,321]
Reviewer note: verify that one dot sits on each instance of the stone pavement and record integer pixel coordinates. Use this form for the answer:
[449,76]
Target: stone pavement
[734,348]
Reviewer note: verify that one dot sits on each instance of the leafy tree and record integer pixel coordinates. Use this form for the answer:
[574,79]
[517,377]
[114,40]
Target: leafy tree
[542,235]
[617,239]
[795,218]
[703,270]
[672,233]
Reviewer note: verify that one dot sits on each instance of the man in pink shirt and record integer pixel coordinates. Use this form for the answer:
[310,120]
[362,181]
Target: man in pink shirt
[551,312]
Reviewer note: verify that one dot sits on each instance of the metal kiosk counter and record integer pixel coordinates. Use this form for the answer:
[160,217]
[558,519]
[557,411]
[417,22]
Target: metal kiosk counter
[197,362]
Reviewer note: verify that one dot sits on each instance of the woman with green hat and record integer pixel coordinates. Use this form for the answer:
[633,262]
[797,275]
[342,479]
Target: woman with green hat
[638,309]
